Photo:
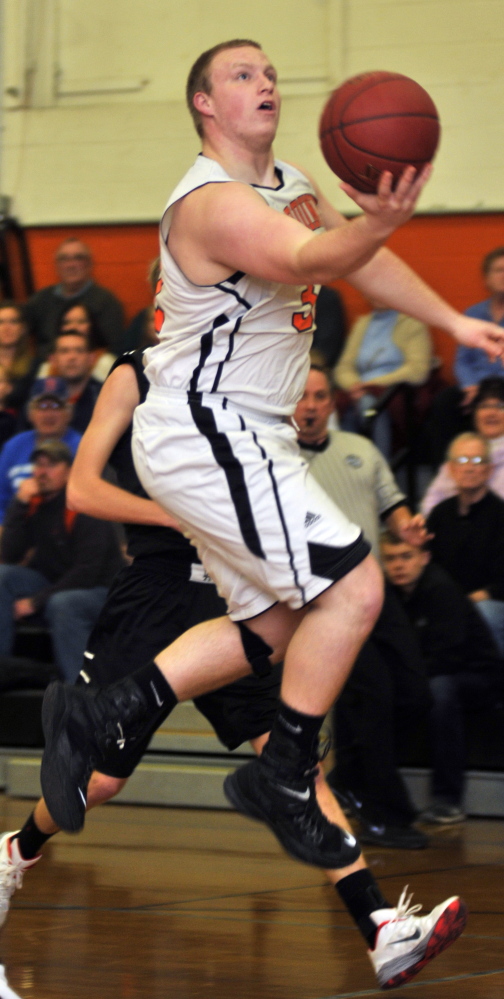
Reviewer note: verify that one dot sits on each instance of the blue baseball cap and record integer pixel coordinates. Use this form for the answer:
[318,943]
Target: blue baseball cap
[49,388]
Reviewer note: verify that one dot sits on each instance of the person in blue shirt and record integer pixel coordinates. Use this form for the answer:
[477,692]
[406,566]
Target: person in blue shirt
[471,364]
[50,415]
[452,410]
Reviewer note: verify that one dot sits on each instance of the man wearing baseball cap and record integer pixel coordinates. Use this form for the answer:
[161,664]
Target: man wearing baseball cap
[68,560]
[49,413]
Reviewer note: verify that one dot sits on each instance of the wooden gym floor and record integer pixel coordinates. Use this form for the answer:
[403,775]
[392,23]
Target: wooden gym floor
[151,903]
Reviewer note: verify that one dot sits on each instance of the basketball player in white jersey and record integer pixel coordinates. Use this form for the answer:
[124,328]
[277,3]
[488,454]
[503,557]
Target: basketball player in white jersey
[243,251]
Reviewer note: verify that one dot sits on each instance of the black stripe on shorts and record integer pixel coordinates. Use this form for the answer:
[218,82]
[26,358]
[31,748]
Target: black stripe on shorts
[204,419]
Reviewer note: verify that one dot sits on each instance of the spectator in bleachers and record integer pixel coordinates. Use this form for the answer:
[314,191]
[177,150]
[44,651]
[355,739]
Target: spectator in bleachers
[142,330]
[488,419]
[452,410]
[72,360]
[383,348]
[459,657]
[386,692]
[50,415]
[16,354]
[56,563]
[77,318]
[468,531]
[331,325]
[8,416]
[74,266]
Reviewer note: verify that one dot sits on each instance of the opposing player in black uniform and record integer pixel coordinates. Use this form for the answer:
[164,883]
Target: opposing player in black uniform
[152,601]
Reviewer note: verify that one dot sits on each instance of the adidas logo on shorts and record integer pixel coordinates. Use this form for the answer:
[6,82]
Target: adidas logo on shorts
[311,518]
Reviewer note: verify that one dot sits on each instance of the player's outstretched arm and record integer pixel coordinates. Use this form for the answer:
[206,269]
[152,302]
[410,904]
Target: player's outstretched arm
[87,491]
[389,279]
[221,228]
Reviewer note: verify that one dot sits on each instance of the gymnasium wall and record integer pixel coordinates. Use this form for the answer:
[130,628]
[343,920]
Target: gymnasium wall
[445,249]
[95,131]
[94,123]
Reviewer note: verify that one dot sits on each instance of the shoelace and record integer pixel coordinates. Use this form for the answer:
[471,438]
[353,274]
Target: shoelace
[404,911]
[11,877]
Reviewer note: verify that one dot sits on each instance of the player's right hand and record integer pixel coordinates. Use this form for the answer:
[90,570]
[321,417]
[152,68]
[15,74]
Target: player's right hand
[391,208]
[478,333]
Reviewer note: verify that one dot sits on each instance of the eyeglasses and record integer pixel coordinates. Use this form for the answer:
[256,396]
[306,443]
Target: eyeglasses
[67,258]
[463,459]
[48,404]
[490,404]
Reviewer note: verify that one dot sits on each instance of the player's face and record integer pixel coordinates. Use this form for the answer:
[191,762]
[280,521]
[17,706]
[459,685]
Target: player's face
[244,100]
[489,418]
[403,564]
[314,408]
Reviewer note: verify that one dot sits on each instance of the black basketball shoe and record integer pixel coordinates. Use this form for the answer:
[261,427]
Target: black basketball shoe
[80,725]
[264,790]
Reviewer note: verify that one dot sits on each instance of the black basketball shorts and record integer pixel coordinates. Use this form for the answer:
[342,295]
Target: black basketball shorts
[150,604]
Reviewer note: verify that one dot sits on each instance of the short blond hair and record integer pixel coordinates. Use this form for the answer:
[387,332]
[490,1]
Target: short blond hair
[199,75]
[465,438]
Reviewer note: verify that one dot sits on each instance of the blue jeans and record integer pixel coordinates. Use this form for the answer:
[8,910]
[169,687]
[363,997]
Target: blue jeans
[381,431]
[492,611]
[70,615]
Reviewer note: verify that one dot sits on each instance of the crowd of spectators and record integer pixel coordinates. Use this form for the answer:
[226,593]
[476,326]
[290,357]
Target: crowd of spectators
[438,647]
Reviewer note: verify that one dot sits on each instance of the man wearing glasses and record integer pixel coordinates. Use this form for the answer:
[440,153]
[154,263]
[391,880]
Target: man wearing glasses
[49,413]
[468,531]
[74,266]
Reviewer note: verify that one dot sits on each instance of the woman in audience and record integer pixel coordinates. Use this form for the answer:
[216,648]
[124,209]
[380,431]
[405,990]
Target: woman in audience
[488,419]
[77,316]
[16,353]
[8,416]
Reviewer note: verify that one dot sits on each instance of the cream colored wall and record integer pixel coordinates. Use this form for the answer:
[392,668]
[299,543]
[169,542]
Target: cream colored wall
[95,127]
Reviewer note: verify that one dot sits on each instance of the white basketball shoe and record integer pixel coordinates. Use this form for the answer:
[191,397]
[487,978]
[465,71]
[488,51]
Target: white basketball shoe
[12,868]
[405,942]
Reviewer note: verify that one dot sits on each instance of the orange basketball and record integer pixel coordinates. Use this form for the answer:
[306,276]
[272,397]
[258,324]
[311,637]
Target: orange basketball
[378,121]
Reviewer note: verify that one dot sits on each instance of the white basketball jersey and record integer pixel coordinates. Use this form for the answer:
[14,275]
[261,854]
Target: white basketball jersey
[243,338]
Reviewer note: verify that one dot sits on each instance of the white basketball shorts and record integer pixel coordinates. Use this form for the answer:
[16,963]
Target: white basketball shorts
[265,530]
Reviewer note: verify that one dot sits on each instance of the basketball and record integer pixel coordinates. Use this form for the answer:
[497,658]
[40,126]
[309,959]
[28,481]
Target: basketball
[378,121]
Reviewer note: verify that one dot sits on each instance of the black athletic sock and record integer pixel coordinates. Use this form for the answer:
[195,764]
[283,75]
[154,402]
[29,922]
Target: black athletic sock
[362,896]
[294,738]
[161,699]
[31,839]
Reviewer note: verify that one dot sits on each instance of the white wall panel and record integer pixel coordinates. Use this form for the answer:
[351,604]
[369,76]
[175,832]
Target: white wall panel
[95,127]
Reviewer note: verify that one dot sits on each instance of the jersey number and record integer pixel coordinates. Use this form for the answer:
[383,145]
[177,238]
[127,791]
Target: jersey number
[303,321]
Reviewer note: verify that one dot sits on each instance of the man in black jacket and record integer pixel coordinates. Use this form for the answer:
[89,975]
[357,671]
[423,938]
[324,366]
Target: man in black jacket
[56,563]
[74,269]
[459,657]
[468,531]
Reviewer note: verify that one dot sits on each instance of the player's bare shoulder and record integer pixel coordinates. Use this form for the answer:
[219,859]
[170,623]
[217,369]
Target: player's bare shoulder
[211,227]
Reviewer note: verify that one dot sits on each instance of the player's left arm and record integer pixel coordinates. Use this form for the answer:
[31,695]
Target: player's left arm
[87,491]
[388,278]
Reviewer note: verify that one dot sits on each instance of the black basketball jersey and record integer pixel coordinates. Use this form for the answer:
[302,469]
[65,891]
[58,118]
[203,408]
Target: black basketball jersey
[144,539]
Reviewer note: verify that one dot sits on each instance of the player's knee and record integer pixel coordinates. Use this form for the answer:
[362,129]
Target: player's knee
[369,588]
[102,788]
